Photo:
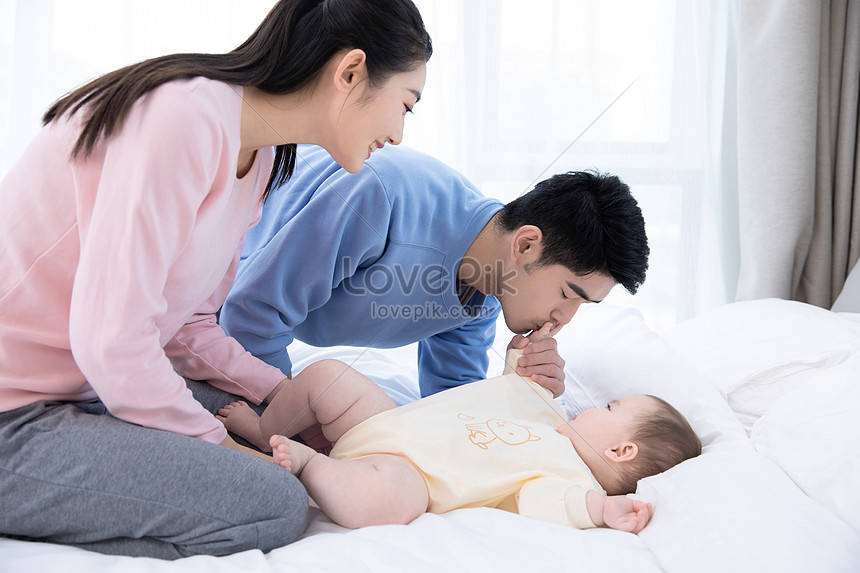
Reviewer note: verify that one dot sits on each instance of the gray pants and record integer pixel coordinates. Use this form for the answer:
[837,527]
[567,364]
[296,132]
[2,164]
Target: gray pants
[71,473]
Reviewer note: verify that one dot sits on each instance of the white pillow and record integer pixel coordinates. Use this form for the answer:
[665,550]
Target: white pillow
[610,352]
[738,512]
[811,435]
[755,352]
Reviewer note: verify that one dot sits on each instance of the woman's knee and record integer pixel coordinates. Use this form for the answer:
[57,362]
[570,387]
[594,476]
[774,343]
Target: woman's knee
[287,511]
[264,509]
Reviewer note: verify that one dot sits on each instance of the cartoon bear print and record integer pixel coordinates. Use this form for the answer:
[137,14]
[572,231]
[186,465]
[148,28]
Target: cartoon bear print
[502,430]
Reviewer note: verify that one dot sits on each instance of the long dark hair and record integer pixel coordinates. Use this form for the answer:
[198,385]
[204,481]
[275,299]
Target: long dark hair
[285,54]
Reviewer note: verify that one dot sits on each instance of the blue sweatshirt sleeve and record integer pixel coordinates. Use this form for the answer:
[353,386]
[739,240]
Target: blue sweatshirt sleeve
[457,356]
[344,225]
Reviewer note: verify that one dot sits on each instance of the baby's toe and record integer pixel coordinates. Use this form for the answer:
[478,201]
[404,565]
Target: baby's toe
[277,440]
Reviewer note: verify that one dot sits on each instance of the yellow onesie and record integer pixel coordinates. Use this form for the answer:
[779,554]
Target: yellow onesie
[486,444]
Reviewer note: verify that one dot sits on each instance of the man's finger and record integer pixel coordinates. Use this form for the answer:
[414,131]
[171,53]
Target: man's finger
[554,385]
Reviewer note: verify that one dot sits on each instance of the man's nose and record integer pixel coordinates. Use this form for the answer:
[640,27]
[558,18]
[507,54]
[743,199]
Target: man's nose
[564,313]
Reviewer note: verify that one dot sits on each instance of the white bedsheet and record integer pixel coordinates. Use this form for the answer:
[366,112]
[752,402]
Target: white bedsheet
[747,504]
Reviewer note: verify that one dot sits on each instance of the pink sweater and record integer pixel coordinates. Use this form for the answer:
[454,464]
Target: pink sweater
[112,266]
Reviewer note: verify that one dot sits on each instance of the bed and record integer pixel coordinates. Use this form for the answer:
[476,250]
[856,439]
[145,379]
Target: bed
[771,386]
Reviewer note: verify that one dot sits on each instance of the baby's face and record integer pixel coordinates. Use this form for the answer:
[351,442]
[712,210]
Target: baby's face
[602,428]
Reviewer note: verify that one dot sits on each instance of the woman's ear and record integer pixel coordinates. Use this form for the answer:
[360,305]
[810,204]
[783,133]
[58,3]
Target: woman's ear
[350,70]
[623,453]
[526,243]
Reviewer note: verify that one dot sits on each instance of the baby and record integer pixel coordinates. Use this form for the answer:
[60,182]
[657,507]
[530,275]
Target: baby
[502,442]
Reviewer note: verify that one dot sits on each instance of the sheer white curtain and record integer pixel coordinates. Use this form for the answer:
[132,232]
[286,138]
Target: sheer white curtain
[516,91]
[49,47]
[644,89]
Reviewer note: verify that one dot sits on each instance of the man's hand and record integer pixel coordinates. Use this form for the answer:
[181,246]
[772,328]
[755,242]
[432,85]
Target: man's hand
[540,361]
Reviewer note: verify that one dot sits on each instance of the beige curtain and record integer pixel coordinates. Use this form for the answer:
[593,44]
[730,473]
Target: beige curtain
[835,245]
[799,159]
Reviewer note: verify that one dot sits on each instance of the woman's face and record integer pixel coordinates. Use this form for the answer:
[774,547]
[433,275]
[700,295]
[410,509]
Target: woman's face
[372,117]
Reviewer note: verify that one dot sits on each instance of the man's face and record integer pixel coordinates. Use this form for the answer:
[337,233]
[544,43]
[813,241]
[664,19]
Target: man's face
[534,295]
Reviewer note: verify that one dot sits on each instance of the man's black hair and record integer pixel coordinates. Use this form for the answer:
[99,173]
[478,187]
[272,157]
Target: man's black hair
[590,223]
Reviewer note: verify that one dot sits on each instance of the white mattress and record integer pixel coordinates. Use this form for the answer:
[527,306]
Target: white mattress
[773,388]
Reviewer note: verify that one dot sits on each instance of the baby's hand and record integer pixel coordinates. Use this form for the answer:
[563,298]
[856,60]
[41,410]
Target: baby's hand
[626,514]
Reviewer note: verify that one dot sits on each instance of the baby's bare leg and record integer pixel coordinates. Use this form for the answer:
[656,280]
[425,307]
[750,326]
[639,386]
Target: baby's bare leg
[328,392]
[374,490]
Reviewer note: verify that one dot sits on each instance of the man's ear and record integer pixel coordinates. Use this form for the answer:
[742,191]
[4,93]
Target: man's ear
[526,244]
[625,452]
[350,70]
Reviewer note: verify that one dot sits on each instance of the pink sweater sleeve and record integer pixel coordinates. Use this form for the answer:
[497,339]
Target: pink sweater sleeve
[202,351]
[163,197]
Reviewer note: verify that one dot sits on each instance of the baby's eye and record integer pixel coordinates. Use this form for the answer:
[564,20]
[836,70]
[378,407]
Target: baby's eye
[564,296]
[407,108]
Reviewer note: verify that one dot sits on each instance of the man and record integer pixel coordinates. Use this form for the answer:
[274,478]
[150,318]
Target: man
[407,250]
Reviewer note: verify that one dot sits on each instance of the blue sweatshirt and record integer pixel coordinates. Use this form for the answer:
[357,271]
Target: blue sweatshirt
[367,259]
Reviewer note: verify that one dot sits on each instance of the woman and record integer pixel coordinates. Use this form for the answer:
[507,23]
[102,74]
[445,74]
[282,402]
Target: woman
[121,228]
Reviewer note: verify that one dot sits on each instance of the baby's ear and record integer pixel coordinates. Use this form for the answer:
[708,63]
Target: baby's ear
[623,453]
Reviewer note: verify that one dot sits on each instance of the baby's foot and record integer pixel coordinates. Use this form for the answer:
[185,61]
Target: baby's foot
[290,455]
[239,418]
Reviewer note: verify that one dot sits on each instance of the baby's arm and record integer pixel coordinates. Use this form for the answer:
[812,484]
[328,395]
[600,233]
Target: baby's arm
[618,512]
[559,500]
